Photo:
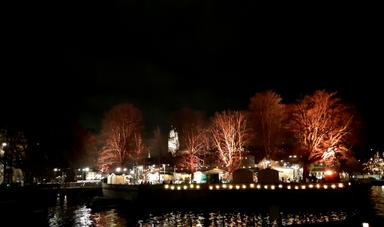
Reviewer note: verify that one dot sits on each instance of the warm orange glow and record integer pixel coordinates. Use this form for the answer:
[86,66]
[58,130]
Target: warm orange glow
[333,186]
[273,187]
[210,187]
[258,186]
[310,186]
[302,186]
[296,187]
[193,139]
[289,187]
[317,185]
[244,186]
[172,187]
[280,186]
[123,119]
[191,186]
[230,186]
[237,186]
[166,186]
[185,187]
[267,113]
[341,185]
[328,172]
[178,188]
[322,124]
[217,186]
[252,185]
[224,186]
[197,186]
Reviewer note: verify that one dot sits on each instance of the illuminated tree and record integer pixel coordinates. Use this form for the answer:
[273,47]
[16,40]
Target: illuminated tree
[230,135]
[195,149]
[121,134]
[193,139]
[267,115]
[139,148]
[321,124]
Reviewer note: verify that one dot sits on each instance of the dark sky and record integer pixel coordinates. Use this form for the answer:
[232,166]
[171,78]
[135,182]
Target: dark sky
[69,62]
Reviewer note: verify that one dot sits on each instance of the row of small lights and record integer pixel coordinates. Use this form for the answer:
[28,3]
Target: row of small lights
[185,187]
[258,186]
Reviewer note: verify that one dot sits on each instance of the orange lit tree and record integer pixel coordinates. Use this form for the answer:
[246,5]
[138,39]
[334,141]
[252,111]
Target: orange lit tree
[193,139]
[192,158]
[266,117]
[121,135]
[230,135]
[322,125]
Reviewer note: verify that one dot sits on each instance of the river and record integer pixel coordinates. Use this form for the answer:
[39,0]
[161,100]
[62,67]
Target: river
[66,211]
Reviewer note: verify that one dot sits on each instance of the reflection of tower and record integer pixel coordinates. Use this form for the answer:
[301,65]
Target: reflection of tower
[173,142]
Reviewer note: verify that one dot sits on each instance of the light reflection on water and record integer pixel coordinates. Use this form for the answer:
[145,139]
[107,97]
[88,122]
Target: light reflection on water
[108,218]
[377,199]
[83,216]
[65,213]
[240,218]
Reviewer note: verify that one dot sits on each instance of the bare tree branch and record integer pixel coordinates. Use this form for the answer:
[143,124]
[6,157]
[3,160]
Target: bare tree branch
[267,115]
[122,137]
[321,123]
[230,134]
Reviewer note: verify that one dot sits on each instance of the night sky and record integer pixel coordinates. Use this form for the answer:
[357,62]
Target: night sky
[69,62]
